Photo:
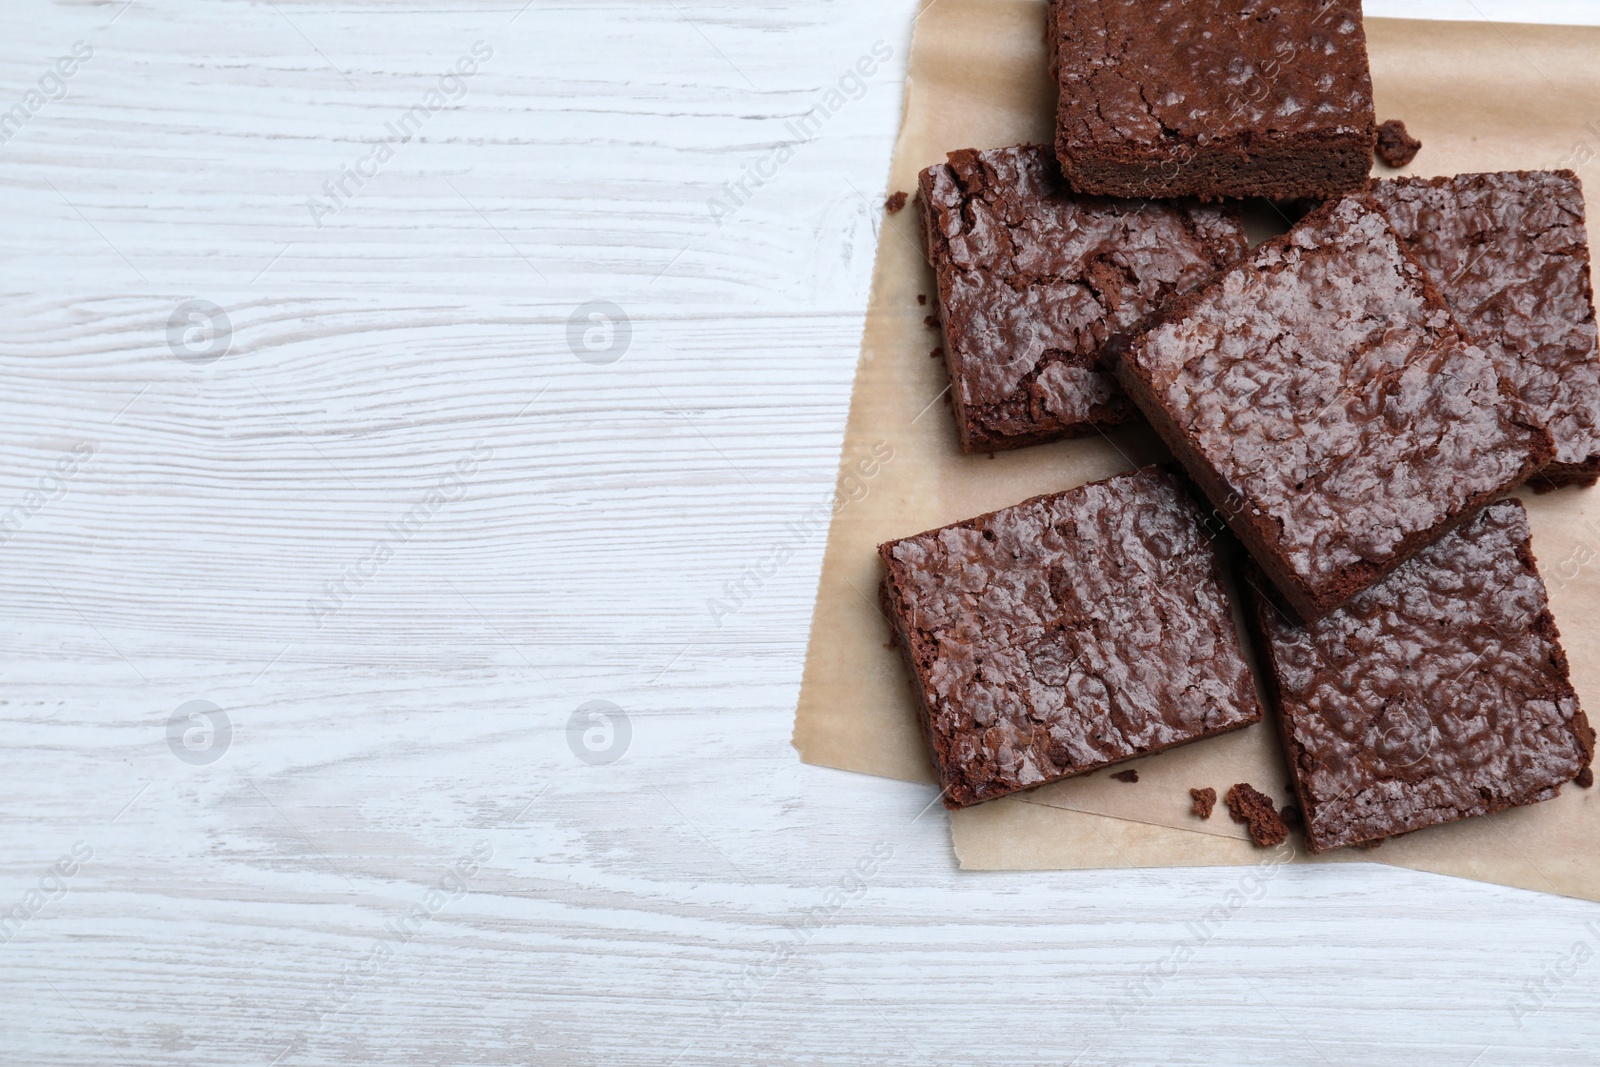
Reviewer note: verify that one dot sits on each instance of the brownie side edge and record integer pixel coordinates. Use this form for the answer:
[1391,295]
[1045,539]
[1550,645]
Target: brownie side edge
[1582,731]
[1261,608]
[932,244]
[1561,475]
[1316,167]
[889,605]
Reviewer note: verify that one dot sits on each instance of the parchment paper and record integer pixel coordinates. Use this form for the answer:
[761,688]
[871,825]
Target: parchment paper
[1480,96]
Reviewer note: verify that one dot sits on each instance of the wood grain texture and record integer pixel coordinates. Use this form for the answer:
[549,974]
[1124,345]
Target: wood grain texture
[406,366]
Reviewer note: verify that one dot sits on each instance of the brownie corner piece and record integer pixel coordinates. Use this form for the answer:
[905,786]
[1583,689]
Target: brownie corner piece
[1066,633]
[1509,251]
[1322,396]
[1033,284]
[1212,98]
[1439,694]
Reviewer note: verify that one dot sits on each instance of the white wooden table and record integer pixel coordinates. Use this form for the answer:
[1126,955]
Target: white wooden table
[396,519]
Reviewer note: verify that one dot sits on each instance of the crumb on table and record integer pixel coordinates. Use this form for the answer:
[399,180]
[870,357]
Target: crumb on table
[1248,805]
[1129,775]
[896,201]
[1396,147]
[1204,801]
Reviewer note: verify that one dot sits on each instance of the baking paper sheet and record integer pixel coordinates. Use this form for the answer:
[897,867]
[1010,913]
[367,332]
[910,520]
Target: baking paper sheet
[1481,96]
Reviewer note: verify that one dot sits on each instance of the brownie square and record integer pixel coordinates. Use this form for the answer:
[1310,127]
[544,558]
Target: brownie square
[1438,694]
[1212,98]
[1510,254]
[1069,632]
[1322,396]
[1033,284]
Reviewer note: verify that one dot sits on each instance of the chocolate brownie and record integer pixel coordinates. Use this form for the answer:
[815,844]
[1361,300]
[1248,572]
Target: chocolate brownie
[1034,283]
[1396,146]
[1438,694]
[1212,98]
[1250,806]
[1324,399]
[1066,633]
[1510,253]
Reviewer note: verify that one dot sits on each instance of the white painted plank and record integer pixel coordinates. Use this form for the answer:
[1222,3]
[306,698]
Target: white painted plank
[631,912]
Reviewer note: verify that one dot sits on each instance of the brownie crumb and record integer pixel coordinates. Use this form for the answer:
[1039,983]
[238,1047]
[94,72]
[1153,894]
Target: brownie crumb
[930,321]
[1248,805]
[1204,801]
[922,299]
[896,201]
[1126,776]
[1585,777]
[1290,816]
[1396,147]
[937,353]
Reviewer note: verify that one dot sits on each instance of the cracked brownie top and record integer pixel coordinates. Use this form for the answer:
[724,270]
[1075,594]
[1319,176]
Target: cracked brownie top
[1324,398]
[1152,73]
[1212,98]
[1509,252]
[1066,633]
[1033,283]
[1440,693]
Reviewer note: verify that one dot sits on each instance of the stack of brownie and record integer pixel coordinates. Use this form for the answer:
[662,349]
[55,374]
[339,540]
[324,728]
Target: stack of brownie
[1351,399]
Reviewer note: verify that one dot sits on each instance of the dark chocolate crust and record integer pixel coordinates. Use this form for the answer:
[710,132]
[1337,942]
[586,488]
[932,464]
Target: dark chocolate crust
[1510,254]
[1033,283]
[1212,98]
[1324,399]
[1438,694]
[1067,633]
